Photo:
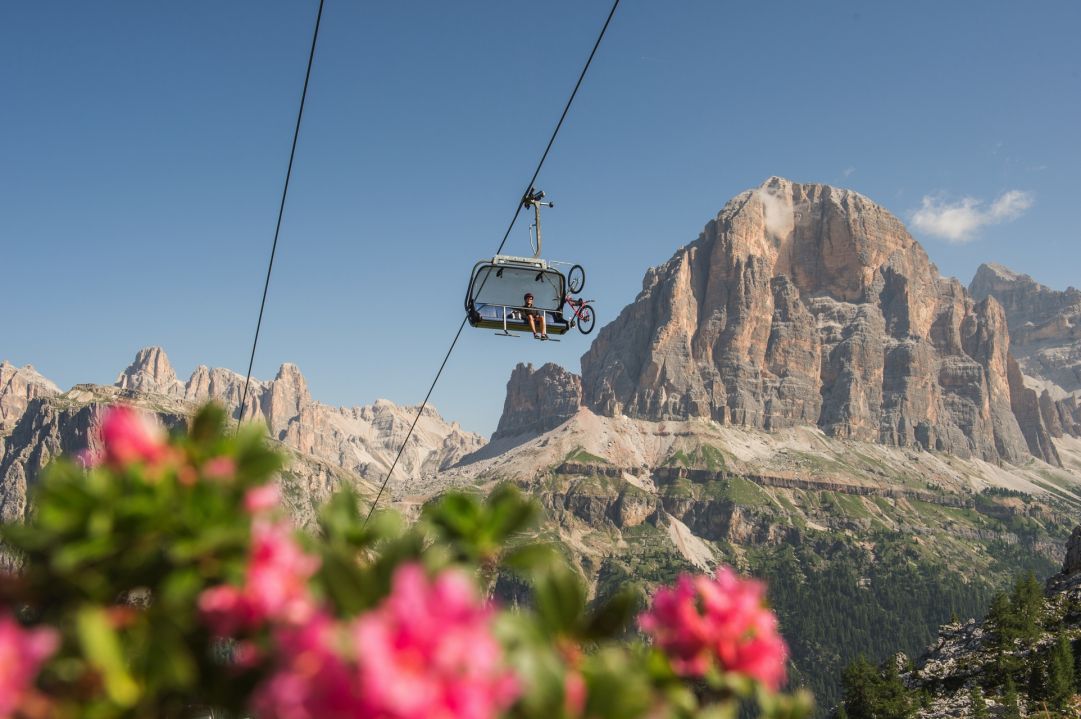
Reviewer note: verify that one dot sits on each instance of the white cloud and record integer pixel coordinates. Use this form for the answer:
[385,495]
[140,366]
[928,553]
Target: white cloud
[777,212]
[847,172]
[959,221]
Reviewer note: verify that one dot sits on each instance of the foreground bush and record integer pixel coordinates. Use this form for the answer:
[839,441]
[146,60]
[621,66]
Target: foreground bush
[161,575]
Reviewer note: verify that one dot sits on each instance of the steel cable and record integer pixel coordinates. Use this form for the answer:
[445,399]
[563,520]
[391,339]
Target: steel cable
[518,211]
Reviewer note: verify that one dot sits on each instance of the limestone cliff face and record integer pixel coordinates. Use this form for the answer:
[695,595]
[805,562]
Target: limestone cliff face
[151,371]
[808,304]
[18,387]
[366,439]
[52,426]
[538,400]
[1045,337]
[1045,324]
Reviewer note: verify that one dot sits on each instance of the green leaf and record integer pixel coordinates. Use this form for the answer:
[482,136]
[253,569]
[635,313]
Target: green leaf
[208,425]
[101,647]
[532,557]
[345,584]
[614,617]
[560,599]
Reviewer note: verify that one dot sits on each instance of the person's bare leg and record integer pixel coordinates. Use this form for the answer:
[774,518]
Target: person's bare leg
[533,325]
[544,326]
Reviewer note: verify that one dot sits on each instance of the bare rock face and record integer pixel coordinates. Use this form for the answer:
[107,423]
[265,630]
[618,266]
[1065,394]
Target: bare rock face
[51,426]
[227,387]
[808,304]
[538,400]
[1045,324]
[1032,416]
[151,372]
[1072,565]
[1045,337]
[366,439]
[284,398]
[18,387]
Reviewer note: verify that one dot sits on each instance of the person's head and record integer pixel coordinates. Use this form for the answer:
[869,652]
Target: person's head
[529,298]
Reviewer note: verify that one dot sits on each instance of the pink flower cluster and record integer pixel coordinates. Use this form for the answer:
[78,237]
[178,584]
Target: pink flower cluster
[723,622]
[275,587]
[127,437]
[22,652]
[427,652]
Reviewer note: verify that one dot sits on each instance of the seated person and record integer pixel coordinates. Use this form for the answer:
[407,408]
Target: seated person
[535,316]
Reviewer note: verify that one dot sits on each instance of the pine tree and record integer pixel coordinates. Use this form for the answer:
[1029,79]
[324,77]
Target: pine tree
[1012,707]
[860,682]
[1060,673]
[1027,601]
[979,705]
[1003,620]
[893,699]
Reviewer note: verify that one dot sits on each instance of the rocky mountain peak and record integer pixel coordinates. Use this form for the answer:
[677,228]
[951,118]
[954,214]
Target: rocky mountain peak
[809,304]
[18,387]
[150,371]
[538,400]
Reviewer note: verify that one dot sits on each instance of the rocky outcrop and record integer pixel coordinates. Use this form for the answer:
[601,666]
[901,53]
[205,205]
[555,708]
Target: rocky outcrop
[807,304]
[51,427]
[1045,337]
[151,372]
[1045,324]
[1072,564]
[19,386]
[225,386]
[538,400]
[365,440]
[1035,416]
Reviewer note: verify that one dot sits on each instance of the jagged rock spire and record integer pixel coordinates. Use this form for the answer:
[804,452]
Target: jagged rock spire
[151,371]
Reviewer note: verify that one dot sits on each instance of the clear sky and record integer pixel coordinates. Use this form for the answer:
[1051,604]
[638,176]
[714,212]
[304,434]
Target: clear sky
[143,148]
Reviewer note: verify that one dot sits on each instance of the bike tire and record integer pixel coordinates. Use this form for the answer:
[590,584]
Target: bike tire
[586,319]
[576,279]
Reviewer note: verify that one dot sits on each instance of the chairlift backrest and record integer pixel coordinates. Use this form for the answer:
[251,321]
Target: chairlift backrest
[505,280]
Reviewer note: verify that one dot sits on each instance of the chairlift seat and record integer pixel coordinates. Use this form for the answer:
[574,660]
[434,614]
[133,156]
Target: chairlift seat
[498,286]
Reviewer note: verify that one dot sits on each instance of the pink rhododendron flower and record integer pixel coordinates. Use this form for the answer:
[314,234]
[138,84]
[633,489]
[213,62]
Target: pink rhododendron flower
[262,498]
[313,680]
[129,436]
[22,652]
[219,468]
[574,694]
[722,621]
[427,652]
[275,587]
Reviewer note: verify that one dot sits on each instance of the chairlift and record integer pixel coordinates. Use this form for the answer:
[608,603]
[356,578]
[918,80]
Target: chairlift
[498,288]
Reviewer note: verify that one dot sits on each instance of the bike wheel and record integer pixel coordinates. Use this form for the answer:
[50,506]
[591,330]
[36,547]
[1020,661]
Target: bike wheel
[586,320]
[576,279]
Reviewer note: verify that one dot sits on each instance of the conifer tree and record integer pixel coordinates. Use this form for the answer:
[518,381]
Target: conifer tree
[893,699]
[1003,620]
[1027,601]
[860,682]
[979,705]
[1010,701]
[1060,673]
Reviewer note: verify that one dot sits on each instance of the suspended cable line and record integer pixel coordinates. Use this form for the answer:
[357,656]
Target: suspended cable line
[517,211]
[281,210]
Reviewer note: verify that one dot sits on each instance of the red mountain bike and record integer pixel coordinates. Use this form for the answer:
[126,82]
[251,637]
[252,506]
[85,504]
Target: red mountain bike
[584,314]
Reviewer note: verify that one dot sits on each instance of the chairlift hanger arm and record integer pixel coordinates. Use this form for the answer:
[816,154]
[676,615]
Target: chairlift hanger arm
[535,199]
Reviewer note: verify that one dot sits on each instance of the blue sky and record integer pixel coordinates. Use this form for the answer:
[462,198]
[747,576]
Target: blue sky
[143,147]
